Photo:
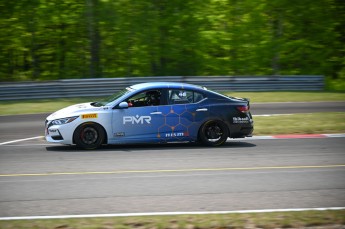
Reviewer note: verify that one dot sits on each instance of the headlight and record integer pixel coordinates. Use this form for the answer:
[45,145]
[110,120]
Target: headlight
[62,121]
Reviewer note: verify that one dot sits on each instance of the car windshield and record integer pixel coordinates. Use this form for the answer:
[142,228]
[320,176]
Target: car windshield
[111,98]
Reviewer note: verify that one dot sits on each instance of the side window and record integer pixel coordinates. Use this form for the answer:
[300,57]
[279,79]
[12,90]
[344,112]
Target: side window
[183,97]
[198,97]
[146,98]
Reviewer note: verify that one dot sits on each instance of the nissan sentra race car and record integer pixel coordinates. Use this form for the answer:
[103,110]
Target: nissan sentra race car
[157,112]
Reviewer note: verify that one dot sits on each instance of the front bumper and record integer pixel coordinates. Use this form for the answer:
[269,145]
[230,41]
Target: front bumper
[59,133]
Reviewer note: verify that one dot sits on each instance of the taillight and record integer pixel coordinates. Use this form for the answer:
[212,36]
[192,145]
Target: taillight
[243,108]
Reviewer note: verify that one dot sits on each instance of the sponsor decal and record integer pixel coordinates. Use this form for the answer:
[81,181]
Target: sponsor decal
[119,134]
[84,116]
[240,120]
[177,134]
[136,119]
[52,131]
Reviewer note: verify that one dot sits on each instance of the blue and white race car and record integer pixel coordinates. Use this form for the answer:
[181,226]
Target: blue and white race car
[157,112]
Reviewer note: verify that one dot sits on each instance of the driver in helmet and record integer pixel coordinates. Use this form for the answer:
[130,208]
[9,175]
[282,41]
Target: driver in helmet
[153,98]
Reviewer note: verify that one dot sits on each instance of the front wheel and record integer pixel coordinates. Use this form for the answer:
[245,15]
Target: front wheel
[89,136]
[213,133]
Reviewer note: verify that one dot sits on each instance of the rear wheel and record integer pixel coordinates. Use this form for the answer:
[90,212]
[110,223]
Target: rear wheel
[89,136]
[213,133]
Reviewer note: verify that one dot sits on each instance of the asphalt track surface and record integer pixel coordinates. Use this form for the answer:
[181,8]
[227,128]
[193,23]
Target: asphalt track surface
[37,178]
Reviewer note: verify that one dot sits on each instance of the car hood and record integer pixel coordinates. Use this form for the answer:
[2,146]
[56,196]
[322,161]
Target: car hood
[74,110]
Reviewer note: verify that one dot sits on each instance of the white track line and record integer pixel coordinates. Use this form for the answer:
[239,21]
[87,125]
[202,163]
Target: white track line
[20,140]
[270,115]
[341,135]
[168,213]
[275,137]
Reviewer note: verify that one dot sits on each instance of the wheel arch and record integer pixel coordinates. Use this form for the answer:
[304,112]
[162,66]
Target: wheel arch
[223,122]
[105,140]
[227,124]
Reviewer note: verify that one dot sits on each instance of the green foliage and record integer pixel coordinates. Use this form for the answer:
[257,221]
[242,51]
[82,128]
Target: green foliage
[56,39]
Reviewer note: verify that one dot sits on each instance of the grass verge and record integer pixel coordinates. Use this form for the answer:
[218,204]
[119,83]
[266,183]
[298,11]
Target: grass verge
[320,219]
[37,106]
[263,97]
[51,105]
[313,123]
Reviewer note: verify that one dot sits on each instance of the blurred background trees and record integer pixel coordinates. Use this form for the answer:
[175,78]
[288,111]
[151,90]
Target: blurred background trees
[57,39]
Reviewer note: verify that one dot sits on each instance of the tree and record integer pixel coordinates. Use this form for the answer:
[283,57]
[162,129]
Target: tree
[102,38]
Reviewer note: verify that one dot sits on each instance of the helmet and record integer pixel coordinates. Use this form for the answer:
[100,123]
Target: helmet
[153,97]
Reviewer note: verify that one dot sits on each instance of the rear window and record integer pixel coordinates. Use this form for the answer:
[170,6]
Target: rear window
[177,96]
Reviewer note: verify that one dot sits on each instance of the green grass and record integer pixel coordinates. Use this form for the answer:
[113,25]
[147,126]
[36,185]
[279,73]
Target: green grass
[253,220]
[313,123]
[260,97]
[37,106]
[51,105]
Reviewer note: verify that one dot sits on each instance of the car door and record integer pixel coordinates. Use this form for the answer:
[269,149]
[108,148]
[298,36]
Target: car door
[138,122]
[184,113]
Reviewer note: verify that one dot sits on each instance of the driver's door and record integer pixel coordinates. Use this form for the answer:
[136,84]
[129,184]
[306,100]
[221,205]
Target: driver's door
[139,122]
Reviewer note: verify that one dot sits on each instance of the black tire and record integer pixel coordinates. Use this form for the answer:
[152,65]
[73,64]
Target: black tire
[89,136]
[213,133]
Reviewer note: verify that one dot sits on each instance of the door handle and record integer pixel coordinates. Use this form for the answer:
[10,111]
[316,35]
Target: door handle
[156,113]
[201,109]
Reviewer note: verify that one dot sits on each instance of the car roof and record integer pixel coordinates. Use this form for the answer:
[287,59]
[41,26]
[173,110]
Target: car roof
[172,85]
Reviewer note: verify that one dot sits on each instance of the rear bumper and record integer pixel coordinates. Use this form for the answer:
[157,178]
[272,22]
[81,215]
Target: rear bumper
[244,131]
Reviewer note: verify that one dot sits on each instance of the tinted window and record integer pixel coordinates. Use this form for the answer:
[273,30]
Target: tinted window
[176,96]
[146,98]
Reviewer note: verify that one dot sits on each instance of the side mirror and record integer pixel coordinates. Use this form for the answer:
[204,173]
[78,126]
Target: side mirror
[123,105]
